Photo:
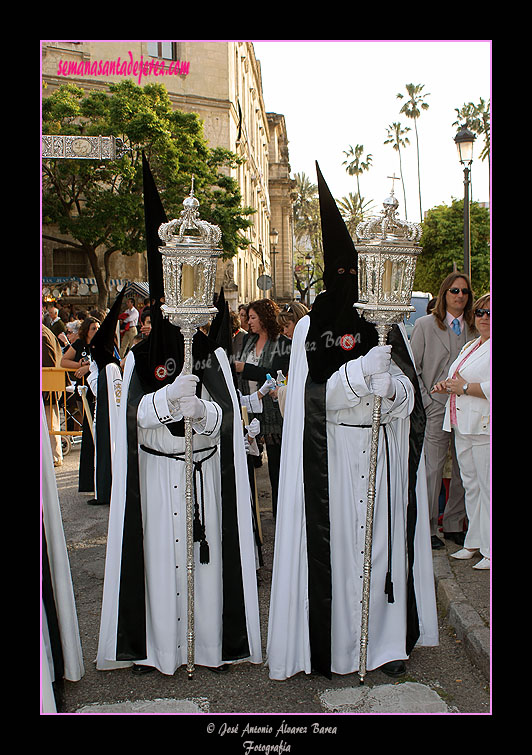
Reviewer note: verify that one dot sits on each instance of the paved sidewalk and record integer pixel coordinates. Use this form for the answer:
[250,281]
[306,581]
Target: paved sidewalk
[465,596]
[439,679]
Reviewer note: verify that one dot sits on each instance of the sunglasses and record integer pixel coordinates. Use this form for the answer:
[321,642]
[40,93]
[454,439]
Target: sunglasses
[457,290]
[287,308]
[482,312]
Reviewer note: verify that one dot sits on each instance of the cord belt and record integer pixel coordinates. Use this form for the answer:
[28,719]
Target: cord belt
[199,524]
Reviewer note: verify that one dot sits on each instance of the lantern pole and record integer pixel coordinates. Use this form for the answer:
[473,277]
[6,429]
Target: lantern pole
[189,308]
[386,269]
[188,335]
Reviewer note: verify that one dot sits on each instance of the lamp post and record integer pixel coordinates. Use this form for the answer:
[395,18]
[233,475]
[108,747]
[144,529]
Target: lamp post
[189,272]
[464,143]
[274,238]
[308,263]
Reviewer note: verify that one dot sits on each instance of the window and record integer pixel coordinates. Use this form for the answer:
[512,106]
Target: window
[70,262]
[164,50]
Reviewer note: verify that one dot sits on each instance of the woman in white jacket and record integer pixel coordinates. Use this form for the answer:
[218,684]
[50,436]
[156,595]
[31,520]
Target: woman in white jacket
[468,412]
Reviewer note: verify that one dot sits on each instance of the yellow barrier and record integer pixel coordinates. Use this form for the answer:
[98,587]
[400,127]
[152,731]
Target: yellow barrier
[54,383]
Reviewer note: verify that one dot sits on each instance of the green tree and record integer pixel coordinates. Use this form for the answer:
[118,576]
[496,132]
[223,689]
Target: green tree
[356,166]
[412,109]
[397,138]
[443,247]
[100,205]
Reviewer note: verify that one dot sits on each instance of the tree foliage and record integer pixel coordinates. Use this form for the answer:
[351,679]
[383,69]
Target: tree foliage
[100,205]
[356,166]
[443,246]
[307,235]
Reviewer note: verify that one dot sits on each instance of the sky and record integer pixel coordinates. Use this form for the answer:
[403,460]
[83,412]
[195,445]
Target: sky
[338,93]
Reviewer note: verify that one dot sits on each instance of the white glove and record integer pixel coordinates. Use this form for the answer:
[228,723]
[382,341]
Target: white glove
[191,406]
[183,385]
[269,385]
[381,384]
[246,445]
[376,360]
[253,428]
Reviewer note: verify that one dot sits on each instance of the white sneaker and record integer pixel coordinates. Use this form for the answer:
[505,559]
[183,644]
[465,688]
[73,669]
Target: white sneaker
[464,553]
[483,564]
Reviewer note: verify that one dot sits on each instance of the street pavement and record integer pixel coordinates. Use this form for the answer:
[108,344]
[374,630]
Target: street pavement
[451,678]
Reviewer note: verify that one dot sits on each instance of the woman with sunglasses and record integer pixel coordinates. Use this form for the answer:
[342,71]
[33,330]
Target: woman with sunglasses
[290,315]
[468,413]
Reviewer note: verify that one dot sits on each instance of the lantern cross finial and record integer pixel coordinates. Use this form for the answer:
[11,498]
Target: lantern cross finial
[394,178]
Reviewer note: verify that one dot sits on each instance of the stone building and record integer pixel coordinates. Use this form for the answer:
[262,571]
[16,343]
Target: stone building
[281,188]
[221,81]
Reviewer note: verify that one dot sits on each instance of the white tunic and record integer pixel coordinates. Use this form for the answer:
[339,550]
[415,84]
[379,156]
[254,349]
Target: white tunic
[348,401]
[162,483]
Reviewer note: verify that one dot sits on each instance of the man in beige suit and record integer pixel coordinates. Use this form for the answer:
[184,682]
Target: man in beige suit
[436,340]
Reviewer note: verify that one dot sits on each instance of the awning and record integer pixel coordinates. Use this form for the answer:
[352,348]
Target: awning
[140,288]
[50,280]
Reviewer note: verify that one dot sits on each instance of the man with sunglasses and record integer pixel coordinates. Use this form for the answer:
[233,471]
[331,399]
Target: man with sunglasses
[436,341]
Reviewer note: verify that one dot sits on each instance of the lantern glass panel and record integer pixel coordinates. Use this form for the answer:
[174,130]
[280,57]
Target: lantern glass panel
[387,280]
[398,271]
[190,284]
[362,279]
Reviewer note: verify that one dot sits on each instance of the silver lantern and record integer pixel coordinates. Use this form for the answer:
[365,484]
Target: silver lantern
[189,272]
[387,253]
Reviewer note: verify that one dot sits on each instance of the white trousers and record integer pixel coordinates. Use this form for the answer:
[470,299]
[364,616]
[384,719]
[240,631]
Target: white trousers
[473,452]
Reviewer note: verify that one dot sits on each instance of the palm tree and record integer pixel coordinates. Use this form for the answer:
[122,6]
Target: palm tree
[307,224]
[307,231]
[353,210]
[395,137]
[305,192]
[356,166]
[411,109]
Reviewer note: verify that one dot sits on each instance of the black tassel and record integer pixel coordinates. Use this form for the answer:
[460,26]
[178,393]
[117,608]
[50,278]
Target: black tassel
[388,588]
[204,555]
[198,530]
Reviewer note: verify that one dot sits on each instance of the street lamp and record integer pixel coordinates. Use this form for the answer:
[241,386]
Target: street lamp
[274,238]
[308,263]
[464,143]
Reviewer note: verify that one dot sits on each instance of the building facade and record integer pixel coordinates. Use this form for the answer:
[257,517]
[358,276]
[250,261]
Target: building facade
[221,82]
[281,188]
